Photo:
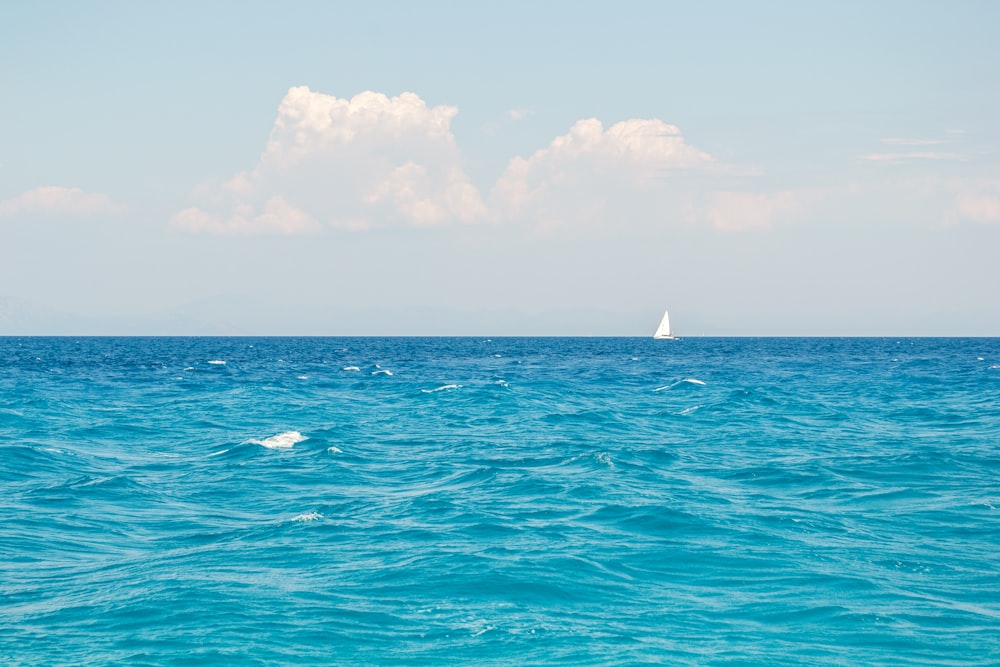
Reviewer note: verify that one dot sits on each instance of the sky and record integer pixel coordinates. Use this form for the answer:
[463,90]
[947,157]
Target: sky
[448,168]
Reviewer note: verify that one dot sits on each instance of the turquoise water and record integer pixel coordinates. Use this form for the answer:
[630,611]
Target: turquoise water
[578,501]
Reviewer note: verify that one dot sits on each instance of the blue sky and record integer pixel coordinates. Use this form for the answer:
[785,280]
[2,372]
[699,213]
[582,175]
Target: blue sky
[449,168]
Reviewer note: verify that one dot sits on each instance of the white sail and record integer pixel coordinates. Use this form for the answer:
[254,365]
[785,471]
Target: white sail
[663,331]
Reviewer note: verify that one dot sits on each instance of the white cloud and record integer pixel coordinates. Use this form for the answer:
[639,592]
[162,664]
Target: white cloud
[589,169]
[976,201]
[411,189]
[59,201]
[908,156]
[372,160]
[276,216]
[910,149]
[898,141]
[740,211]
[519,114]
[367,161]
[979,208]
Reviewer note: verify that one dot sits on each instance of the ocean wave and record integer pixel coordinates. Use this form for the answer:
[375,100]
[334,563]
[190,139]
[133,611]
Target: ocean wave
[679,383]
[382,371]
[351,368]
[810,485]
[217,362]
[444,387]
[284,440]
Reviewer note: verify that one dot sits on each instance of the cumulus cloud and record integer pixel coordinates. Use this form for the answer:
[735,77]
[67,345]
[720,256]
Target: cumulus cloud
[739,211]
[590,167]
[53,200]
[277,215]
[347,163]
[374,160]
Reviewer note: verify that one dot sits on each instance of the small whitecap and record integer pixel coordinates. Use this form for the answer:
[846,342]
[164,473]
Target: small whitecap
[307,516]
[483,630]
[189,368]
[302,377]
[351,368]
[382,371]
[994,366]
[980,359]
[218,453]
[635,358]
[334,450]
[680,382]
[605,458]
[444,387]
[179,377]
[217,362]
[281,441]
[498,355]
[687,411]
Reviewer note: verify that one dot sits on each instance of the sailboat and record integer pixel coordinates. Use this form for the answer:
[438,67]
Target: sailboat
[663,331]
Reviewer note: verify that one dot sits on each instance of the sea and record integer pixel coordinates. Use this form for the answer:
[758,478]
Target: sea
[499,501]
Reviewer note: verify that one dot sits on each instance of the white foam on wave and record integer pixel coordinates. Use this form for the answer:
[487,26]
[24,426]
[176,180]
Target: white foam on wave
[483,630]
[334,450]
[444,387]
[217,362]
[284,440]
[351,368]
[680,382]
[382,371]
[605,458]
[303,377]
[218,453]
[307,516]
[189,368]
[687,411]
